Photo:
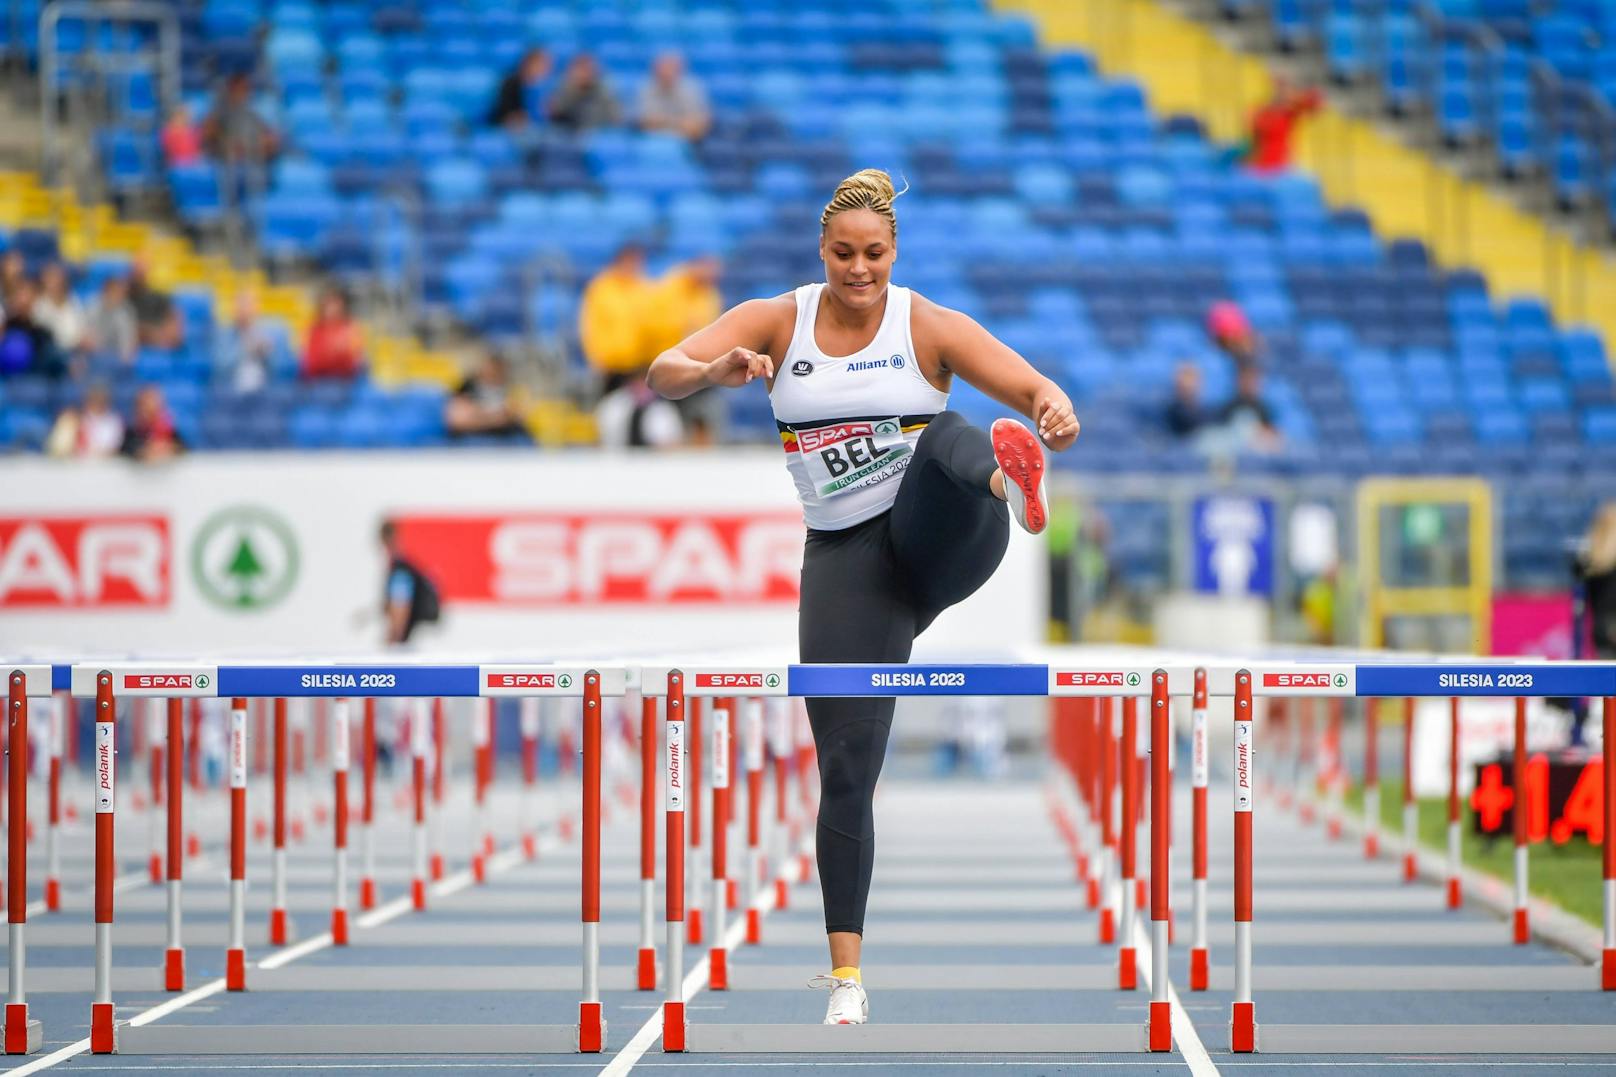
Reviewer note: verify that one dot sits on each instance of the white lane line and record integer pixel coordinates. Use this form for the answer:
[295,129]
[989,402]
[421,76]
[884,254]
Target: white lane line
[695,980]
[453,884]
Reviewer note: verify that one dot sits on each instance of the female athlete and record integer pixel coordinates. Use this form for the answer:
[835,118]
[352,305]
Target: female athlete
[906,503]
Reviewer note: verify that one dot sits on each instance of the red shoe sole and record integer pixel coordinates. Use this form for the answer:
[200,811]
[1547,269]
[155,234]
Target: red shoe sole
[1021,459]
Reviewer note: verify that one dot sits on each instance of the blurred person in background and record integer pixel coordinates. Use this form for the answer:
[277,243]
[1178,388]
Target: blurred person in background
[59,310]
[482,405]
[1247,418]
[151,436]
[633,416]
[1186,413]
[27,347]
[410,598]
[672,100]
[336,346]
[13,271]
[157,317]
[1273,125]
[234,133]
[1231,331]
[111,321]
[1595,569]
[519,100]
[684,299]
[94,429]
[245,347]
[583,100]
[181,138]
[613,317]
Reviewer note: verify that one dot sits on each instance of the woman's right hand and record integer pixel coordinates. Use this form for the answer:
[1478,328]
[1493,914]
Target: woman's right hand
[739,366]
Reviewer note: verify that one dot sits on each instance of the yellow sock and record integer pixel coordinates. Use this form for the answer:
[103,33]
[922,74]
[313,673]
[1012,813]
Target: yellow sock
[847,972]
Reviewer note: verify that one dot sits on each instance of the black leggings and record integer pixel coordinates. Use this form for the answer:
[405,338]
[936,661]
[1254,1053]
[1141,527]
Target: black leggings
[867,592]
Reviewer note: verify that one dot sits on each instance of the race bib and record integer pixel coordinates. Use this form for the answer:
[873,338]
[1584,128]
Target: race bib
[851,455]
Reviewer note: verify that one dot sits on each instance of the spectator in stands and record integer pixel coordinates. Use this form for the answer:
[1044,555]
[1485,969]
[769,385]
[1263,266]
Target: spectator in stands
[1187,412]
[151,436]
[482,406]
[245,348]
[59,310]
[181,138]
[1595,566]
[93,430]
[26,347]
[1247,418]
[1231,331]
[583,100]
[13,271]
[234,133]
[1274,124]
[612,317]
[685,299]
[633,416]
[157,318]
[336,347]
[519,100]
[673,101]
[111,322]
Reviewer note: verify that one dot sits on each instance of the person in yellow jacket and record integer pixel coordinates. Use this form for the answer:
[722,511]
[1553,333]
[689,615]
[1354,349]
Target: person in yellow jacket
[613,317]
[687,299]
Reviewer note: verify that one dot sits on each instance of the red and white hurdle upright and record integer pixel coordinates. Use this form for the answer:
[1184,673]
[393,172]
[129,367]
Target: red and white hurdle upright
[673,1009]
[23,1035]
[1200,971]
[646,971]
[1160,1028]
[1243,1015]
[174,956]
[339,825]
[718,956]
[235,958]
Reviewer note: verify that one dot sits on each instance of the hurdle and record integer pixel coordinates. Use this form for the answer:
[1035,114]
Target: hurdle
[107,682]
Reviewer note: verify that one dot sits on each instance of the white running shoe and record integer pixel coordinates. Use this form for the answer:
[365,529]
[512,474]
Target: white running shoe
[849,1005]
[1021,459]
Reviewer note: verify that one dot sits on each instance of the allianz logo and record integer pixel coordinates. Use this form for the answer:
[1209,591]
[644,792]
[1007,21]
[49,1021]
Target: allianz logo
[894,363]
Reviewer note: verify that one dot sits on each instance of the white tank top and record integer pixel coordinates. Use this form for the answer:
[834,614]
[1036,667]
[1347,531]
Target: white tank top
[849,423]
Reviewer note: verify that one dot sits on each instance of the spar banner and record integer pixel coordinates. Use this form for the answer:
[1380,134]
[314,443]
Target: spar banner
[619,558]
[537,556]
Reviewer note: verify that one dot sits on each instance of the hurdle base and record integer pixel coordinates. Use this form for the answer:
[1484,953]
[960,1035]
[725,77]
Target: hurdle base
[436,870]
[418,894]
[590,1035]
[693,931]
[530,847]
[339,927]
[165,1039]
[1455,894]
[53,895]
[193,846]
[1371,847]
[718,969]
[1094,893]
[1108,926]
[1473,1039]
[914,1039]
[1200,970]
[1159,1032]
[1411,867]
[1127,968]
[279,927]
[1607,971]
[154,869]
[732,895]
[1243,1028]
[479,868]
[235,970]
[674,1026]
[782,893]
[1523,928]
[104,1031]
[367,894]
[645,977]
[174,970]
[805,868]
[754,926]
[24,1035]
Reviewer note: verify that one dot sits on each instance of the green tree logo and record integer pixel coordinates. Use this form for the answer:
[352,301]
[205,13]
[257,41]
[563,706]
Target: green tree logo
[772,680]
[244,558]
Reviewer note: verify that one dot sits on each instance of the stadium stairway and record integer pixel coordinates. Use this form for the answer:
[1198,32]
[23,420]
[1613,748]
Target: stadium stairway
[1186,68]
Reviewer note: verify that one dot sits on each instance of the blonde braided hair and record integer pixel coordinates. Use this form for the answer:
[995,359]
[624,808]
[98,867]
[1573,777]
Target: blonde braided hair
[868,188]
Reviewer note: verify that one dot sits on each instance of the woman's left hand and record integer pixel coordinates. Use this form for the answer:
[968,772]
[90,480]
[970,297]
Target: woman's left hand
[1057,425]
